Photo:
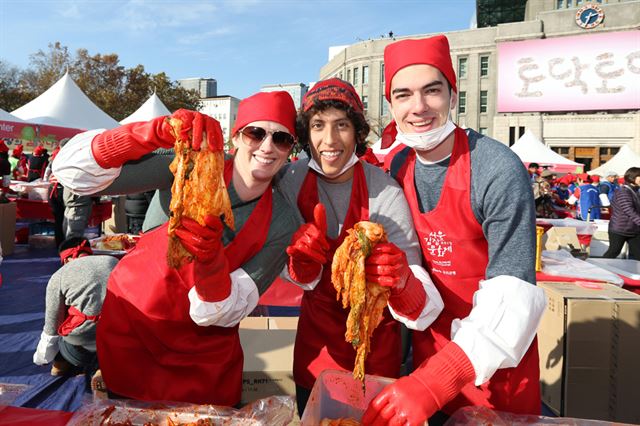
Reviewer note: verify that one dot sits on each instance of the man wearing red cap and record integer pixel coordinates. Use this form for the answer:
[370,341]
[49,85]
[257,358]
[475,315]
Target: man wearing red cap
[168,334]
[37,164]
[334,190]
[473,209]
[18,162]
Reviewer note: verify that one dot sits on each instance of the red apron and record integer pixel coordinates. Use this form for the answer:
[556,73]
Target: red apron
[456,254]
[149,348]
[320,342]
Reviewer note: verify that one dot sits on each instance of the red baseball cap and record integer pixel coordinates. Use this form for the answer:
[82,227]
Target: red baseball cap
[267,106]
[432,51]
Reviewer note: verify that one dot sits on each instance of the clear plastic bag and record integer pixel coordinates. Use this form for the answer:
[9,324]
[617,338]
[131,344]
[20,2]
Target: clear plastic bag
[275,410]
[482,416]
[9,392]
[561,263]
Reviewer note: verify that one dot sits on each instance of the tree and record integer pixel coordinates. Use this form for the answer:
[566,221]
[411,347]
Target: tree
[116,90]
[12,94]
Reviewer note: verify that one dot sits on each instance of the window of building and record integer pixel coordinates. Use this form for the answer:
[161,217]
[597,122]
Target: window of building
[483,101]
[560,4]
[607,153]
[462,102]
[484,66]
[564,151]
[365,102]
[355,76]
[384,105]
[340,75]
[365,75]
[483,130]
[521,130]
[512,135]
[349,75]
[382,72]
[462,67]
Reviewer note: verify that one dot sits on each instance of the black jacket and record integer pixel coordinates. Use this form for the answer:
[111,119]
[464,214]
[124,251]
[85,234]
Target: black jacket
[625,212]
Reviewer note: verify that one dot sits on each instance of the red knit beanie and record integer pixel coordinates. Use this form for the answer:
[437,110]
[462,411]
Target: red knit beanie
[39,150]
[267,106]
[432,51]
[333,89]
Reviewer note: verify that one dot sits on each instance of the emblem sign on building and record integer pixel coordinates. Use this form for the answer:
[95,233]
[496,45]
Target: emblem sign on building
[587,72]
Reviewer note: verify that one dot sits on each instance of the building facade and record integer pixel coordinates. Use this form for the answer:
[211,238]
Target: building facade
[222,108]
[206,87]
[586,119]
[296,90]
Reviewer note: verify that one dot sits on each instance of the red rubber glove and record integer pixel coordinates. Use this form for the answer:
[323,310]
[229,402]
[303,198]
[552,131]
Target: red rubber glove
[412,399]
[211,269]
[115,147]
[387,266]
[309,248]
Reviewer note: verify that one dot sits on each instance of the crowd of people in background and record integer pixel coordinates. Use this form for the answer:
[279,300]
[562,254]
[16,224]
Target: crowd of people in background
[581,196]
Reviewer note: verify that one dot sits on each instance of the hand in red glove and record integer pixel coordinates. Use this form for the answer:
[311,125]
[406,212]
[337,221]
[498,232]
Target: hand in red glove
[211,269]
[412,399]
[309,248]
[115,147]
[387,265]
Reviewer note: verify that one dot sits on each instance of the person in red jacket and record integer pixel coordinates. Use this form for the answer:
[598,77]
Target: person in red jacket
[334,189]
[478,244]
[172,334]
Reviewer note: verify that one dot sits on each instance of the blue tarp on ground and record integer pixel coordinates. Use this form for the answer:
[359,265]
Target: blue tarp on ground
[22,299]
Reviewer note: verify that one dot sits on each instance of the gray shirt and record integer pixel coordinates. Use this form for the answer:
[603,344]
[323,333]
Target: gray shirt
[82,284]
[501,200]
[387,204]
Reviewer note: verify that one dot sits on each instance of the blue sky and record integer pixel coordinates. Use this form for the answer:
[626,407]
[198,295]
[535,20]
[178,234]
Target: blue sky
[243,44]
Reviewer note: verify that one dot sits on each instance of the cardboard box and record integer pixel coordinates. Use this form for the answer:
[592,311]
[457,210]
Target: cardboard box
[561,238]
[267,343]
[7,227]
[589,344]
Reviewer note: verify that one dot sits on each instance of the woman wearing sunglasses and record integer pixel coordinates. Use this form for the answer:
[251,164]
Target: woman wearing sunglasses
[168,334]
[333,190]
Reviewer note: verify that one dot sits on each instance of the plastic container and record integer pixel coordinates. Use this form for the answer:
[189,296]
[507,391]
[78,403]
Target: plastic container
[336,394]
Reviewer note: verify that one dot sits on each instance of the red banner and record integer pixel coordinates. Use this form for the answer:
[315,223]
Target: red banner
[31,135]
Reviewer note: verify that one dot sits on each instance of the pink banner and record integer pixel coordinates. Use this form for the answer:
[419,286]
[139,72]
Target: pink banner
[31,135]
[587,72]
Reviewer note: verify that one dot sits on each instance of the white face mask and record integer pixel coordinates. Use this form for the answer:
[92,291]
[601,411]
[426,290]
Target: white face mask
[352,161]
[426,141]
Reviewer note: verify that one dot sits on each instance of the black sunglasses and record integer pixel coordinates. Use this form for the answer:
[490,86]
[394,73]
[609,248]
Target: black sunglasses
[254,136]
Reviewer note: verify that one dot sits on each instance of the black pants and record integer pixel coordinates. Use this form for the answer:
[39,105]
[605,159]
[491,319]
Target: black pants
[57,208]
[616,242]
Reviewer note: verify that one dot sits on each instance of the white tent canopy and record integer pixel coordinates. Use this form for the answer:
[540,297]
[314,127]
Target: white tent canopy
[151,109]
[5,116]
[531,150]
[619,163]
[65,105]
